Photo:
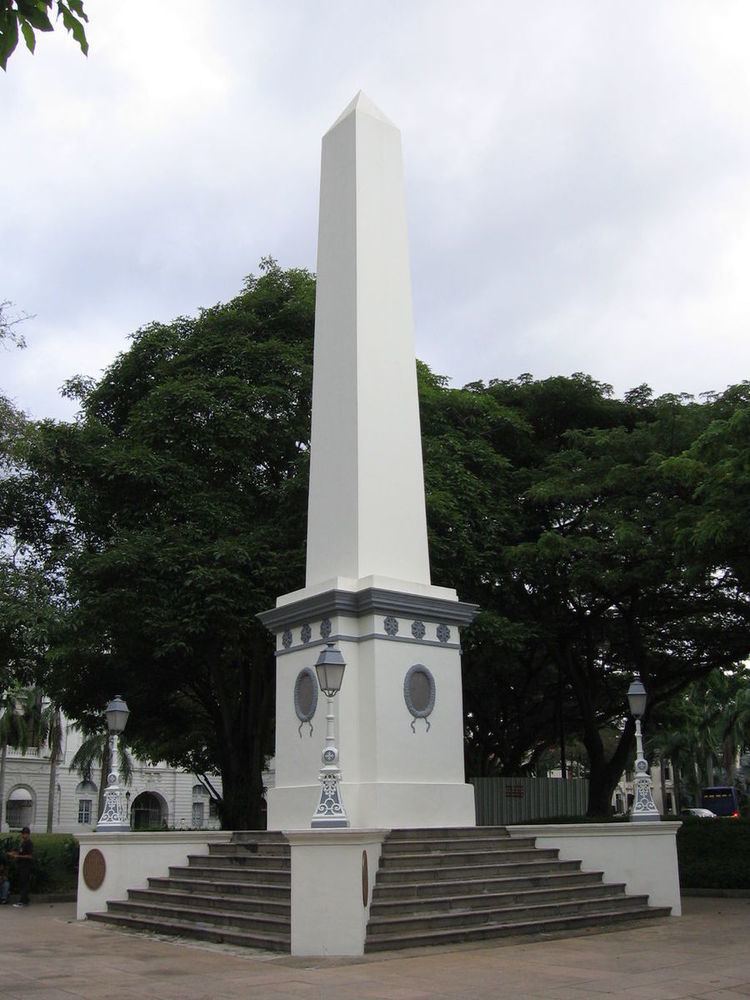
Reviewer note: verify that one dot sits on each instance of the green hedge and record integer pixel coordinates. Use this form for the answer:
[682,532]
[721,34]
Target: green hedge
[714,853]
[55,865]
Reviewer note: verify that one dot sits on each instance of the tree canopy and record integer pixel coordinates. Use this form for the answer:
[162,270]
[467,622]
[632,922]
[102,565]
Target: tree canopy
[180,495]
[602,538]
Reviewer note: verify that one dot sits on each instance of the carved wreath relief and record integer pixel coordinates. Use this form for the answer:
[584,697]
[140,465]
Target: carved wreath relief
[419,693]
[305,698]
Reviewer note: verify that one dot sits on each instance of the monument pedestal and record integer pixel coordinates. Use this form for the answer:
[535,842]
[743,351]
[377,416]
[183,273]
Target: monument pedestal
[400,715]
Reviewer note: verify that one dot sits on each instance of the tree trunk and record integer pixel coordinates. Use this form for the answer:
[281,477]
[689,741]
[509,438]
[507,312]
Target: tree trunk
[604,774]
[243,714]
[51,793]
[663,783]
[106,768]
[676,785]
[3,756]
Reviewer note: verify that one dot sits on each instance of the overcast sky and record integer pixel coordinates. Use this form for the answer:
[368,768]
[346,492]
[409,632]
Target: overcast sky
[578,177]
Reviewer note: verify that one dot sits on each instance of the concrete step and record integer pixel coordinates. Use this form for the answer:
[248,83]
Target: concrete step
[459,844]
[256,861]
[480,899]
[417,923]
[467,872]
[397,890]
[259,837]
[247,921]
[278,941]
[262,876]
[452,858]
[449,833]
[212,901]
[572,924]
[251,849]
[224,887]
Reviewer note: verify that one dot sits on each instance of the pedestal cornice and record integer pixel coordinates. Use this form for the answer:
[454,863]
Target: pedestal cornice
[373,600]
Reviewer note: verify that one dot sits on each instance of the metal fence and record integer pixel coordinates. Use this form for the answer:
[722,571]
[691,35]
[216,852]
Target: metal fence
[522,800]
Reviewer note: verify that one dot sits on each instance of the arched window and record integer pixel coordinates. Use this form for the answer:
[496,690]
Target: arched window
[148,812]
[19,810]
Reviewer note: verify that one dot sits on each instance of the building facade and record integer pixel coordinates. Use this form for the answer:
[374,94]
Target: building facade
[158,795]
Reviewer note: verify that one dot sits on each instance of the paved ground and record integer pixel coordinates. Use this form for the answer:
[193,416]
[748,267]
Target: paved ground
[45,954]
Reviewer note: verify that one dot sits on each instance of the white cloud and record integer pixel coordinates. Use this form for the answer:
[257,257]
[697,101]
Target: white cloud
[576,177]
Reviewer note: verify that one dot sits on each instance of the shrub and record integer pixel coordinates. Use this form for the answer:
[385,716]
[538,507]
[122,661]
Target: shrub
[714,854]
[55,865]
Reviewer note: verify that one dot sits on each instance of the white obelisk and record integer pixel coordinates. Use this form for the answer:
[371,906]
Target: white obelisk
[400,720]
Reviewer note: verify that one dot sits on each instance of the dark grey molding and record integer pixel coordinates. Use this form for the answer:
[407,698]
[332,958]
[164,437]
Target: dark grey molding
[374,600]
[366,638]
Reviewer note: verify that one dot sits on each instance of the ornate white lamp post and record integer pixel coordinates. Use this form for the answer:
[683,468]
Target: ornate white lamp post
[644,808]
[330,813]
[114,817]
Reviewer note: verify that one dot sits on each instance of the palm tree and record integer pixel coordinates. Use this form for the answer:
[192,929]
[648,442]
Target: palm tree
[16,704]
[94,752]
[50,730]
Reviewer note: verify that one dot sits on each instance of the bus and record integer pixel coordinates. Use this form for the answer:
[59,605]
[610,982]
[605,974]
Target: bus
[723,800]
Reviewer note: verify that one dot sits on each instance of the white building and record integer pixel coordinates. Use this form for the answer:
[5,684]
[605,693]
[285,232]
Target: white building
[158,795]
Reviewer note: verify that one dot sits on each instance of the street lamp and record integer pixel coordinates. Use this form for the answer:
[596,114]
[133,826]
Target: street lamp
[644,808]
[330,813]
[114,817]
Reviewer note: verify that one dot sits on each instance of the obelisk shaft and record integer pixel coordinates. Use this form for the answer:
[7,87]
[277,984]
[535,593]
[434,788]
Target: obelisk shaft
[366,501]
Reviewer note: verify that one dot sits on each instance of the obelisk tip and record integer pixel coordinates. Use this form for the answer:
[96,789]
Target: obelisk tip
[362,105]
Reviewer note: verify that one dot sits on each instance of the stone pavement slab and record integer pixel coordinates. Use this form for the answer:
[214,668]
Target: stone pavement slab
[46,954]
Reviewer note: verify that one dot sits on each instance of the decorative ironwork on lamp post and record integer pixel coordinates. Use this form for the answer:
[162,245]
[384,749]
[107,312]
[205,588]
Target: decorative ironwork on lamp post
[644,808]
[330,813]
[114,817]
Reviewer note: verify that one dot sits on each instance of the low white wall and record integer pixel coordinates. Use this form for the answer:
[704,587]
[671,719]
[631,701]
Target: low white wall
[130,859]
[329,911]
[642,855]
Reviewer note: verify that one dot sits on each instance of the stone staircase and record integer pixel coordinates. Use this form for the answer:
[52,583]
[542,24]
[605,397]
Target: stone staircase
[433,887]
[239,893]
[446,886]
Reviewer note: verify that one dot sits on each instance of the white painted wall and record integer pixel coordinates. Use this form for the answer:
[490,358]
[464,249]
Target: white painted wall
[642,855]
[329,911]
[131,858]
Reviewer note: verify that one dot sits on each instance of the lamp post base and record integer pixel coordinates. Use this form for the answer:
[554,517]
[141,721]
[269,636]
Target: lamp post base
[330,814]
[644,808]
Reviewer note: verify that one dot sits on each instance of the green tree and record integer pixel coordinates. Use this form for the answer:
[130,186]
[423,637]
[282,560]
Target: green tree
[27,17]
[181,492]
[581,583]
[714,528]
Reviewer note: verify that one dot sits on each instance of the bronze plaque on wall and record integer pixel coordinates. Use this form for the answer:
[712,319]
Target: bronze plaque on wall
[94,869]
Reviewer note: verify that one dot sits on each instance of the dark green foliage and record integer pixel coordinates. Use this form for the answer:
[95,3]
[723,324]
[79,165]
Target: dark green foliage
[55,864]
[181,496]
[564,518]
[714,854]
[30,16]
[596,535]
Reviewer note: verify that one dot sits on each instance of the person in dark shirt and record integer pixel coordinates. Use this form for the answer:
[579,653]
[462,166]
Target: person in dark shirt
[24,858]
[4,885]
